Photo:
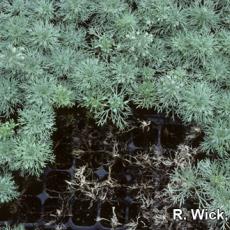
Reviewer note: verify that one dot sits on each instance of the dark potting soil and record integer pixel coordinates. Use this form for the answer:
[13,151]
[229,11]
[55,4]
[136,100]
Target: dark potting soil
[123,166]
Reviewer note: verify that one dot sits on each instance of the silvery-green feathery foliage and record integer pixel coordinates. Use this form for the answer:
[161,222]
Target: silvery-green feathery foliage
[172,56]
[19,227]
[31,154]
[8,188]
[9,95]
[208,183]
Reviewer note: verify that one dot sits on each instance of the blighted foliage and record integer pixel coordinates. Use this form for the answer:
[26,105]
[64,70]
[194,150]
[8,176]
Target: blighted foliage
[172,56]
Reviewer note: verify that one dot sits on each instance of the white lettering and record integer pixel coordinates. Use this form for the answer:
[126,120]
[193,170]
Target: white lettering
[212,215]
[177,214]
[197,214]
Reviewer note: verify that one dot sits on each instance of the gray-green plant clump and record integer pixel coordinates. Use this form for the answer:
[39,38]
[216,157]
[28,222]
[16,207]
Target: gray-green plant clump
[19,227]
[173,56]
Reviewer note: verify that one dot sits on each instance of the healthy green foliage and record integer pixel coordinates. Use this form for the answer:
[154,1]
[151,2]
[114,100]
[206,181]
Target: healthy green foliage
[193,48]
[208,183]
[202,16]
[169,90]
[218,138]
[8,189]
[115,107]
[108,56]
[7,130]
[19,227]
[197,103]
[145,94]
[43,36]
[183,184]
[6,142]
[43,9]
[37,121]
[31,155]
[9,96]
